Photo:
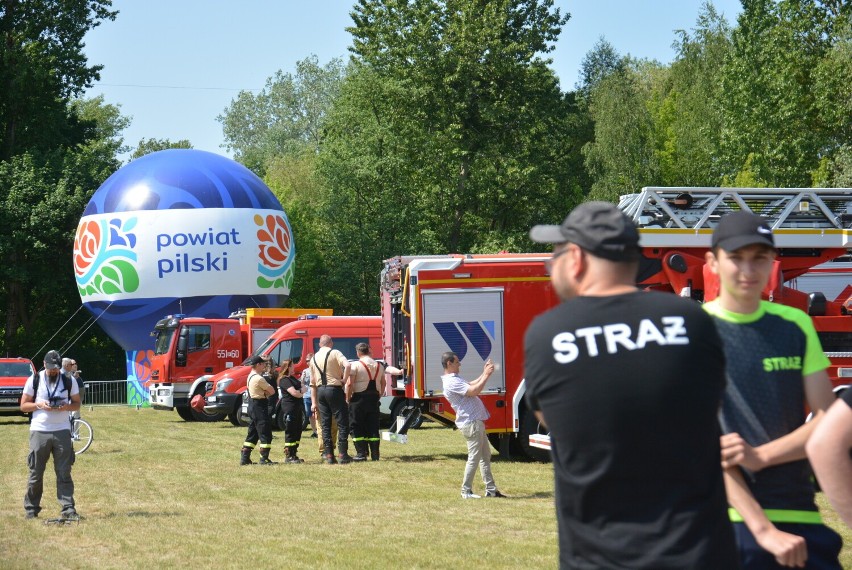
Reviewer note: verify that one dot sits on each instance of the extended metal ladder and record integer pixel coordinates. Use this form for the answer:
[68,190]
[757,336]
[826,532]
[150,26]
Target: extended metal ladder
[686,216]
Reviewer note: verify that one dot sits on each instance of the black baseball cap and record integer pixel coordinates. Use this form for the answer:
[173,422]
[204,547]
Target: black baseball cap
[255,360]
[52,360]
[598,227]
[739,229]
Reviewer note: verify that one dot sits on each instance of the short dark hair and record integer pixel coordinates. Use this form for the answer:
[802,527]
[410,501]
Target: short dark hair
[362,348]
[448,357]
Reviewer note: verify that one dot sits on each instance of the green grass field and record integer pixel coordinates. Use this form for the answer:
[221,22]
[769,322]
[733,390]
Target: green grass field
[157,492]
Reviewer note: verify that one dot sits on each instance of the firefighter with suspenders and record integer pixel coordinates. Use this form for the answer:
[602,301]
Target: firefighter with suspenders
[367,385]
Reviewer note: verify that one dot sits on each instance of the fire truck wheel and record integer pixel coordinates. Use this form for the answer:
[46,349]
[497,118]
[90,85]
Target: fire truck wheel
[203,416]
[185,414]
[236,416]
[494,440]
[530,425]
[239,419]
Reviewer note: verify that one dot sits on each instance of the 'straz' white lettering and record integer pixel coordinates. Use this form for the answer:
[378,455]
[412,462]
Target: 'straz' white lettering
[617,336]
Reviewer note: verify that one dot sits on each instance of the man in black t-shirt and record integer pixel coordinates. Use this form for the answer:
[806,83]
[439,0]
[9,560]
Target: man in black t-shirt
[629,385]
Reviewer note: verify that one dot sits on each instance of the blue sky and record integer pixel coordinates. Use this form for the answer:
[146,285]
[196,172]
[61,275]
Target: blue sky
[175,65]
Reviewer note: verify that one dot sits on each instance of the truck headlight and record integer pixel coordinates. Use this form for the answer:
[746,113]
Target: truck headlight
[223,383]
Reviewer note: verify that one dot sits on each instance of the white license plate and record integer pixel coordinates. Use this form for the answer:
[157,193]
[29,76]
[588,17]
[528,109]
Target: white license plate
[211,399]
[8,400]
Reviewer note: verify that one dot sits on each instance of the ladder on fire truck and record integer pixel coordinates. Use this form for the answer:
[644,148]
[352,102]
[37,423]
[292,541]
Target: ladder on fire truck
[686,216]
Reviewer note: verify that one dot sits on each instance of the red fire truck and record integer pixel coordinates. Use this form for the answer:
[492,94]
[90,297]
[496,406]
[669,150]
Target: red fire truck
[188,351]
[479,306]
[293,341]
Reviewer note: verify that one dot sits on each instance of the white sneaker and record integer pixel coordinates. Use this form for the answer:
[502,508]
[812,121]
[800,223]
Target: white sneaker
[470,496]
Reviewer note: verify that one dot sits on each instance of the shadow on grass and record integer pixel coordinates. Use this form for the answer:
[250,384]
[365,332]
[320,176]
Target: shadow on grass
[9,421]
[139,514]
[426,458]
[538,495]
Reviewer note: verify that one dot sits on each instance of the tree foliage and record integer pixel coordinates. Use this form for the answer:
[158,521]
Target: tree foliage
[147,146]
[450,134]
[55,150]
[285,116]
[686,108]
[622,157]
[42,66]
[775,115]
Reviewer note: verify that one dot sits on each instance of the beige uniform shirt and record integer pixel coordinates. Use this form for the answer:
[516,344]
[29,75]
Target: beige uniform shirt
[333,370]
[257,386]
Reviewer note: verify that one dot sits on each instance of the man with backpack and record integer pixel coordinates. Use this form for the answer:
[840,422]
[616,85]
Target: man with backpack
[49,395]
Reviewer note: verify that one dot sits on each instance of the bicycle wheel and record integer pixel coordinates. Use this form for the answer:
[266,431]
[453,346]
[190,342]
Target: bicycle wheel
[81,435]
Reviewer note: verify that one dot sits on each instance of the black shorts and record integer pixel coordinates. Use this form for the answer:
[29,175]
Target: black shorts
[823,547]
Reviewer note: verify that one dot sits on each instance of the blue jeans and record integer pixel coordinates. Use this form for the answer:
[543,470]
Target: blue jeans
[306,399]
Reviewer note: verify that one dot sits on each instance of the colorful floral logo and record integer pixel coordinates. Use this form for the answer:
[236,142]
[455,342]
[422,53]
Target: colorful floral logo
[276,252]
[104,260]
[138,377]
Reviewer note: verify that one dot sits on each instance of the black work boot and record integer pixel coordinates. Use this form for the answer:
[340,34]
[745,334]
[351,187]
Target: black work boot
[264,457]
[374,450]
[343,456]
[360,451]
[245,456]
[291,455]
[329,458]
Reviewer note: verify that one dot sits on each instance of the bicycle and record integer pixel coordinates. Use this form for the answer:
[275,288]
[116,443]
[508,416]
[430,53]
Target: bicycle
[82,434]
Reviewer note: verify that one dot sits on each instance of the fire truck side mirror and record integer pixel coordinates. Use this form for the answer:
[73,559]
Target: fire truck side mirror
[816,304]
[180,355]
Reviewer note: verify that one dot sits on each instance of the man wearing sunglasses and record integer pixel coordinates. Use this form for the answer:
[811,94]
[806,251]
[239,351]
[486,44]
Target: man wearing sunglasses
[629,385]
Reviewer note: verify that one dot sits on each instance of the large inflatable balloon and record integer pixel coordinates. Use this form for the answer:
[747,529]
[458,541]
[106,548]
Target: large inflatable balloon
[180,231]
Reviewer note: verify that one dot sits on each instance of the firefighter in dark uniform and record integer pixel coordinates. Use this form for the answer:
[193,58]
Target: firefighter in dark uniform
[270,374]
[260,423]
[292,408]
[367,382]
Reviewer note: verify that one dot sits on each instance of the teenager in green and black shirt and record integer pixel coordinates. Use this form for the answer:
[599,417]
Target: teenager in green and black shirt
[775,365]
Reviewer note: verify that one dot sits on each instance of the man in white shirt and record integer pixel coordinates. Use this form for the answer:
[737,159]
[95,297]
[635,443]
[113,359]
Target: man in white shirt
[49,395]
[470,419]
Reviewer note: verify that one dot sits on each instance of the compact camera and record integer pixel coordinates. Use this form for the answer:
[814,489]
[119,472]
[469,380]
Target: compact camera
[56,403]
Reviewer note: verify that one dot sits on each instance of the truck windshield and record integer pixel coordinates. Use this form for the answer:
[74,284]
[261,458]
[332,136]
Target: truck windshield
[286,350]
[259,350]
[164,340]
[16,369]
[346,345]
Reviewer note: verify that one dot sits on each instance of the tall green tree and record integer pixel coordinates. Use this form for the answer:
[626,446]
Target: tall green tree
[599,63]
[773,117]
[622,158]
[450,134]
[481,109]
[287,115]
[686,105]
[42,67]
[55,150]
[147,146]
[41,201]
